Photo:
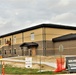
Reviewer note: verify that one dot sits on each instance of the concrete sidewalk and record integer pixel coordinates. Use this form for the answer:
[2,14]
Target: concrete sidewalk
[52,64]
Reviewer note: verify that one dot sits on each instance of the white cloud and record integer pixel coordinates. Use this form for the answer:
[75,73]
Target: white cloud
[18,14]
[64,2]
[65,18]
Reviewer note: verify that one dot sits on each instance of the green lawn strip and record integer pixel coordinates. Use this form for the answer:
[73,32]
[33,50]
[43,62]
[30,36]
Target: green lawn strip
[15,70]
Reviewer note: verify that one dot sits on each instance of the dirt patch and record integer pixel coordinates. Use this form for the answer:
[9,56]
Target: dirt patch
[34,59]
[34,66]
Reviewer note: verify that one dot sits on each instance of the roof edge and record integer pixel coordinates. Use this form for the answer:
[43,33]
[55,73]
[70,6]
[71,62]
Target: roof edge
[71,36]
[59,26]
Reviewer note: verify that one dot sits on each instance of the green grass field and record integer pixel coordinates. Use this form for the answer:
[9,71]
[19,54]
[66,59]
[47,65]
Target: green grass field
[15,70]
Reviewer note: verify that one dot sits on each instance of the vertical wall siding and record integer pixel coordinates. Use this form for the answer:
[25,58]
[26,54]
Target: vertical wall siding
[69,47]
[37,34]
[39,50]
[55,32]
[49,48]
[7,49]
[21,38]
[52,48]
[43,36]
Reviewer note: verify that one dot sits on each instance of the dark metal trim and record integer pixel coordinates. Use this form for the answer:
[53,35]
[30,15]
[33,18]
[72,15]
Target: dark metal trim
[40,26]
[65,37]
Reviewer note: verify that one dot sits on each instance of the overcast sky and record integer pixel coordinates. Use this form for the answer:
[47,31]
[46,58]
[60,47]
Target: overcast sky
[19,14]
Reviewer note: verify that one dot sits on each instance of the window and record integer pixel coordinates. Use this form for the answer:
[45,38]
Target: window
[32,36]
[14,39]
[5,51]
[14,51]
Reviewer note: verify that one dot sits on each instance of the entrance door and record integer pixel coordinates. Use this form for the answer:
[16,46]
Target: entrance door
[33,51]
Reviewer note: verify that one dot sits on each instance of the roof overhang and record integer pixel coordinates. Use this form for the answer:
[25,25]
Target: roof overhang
[67,37]
[29,44]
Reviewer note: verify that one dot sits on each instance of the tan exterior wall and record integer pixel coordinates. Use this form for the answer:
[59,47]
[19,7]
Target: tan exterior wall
[50,33]
[18,38]
[1,42]
[69,47]
[7,38]
[55,32]
[44,46]
[37,35]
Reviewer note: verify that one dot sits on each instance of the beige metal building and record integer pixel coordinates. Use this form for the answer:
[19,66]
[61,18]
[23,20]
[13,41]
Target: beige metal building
[36,40]
[68,42]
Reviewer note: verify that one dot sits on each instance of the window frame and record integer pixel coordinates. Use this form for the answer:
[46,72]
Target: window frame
[32,36]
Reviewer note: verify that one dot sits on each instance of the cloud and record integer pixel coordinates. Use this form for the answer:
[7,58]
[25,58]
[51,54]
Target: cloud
[64,2]
[20,14]
[65,18]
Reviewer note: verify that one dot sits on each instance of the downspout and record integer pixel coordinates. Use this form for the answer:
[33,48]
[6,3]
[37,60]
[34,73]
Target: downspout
[44,41]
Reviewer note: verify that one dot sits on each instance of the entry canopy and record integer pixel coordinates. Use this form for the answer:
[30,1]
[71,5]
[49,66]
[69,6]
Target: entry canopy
[29,44]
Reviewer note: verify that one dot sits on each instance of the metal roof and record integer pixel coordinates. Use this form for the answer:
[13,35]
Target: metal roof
[40,26]
[65,37]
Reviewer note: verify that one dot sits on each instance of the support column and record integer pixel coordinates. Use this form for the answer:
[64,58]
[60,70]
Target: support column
[44,41]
